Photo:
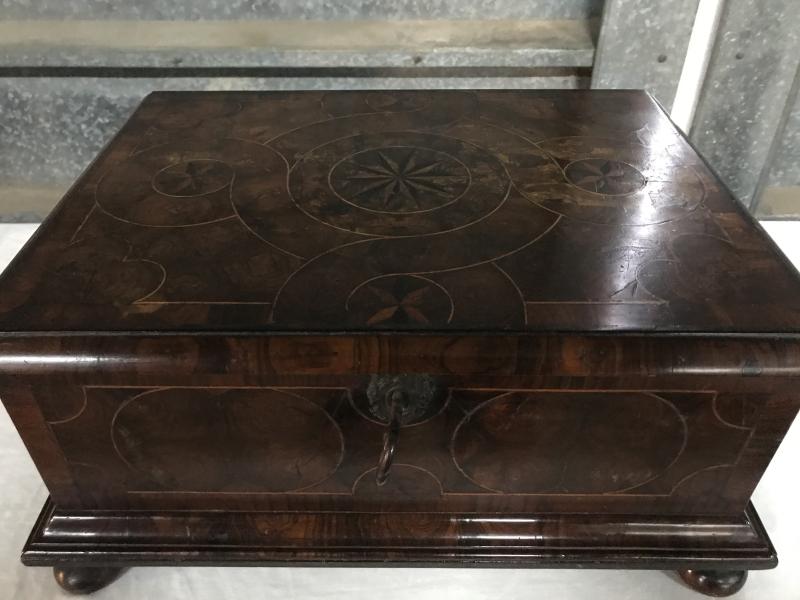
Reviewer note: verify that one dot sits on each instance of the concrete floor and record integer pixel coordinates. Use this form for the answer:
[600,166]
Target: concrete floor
[22,494]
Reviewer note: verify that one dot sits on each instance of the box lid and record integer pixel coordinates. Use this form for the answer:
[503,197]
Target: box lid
[446,211]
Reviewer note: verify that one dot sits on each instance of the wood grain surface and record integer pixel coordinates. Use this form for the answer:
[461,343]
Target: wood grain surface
[400,211]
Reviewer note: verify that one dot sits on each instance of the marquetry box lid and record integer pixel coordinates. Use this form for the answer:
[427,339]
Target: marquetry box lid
[416,212]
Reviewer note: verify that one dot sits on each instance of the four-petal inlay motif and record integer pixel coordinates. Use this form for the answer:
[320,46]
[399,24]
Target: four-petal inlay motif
[400,300]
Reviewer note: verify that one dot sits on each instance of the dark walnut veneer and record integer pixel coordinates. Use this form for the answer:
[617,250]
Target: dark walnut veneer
[440,328]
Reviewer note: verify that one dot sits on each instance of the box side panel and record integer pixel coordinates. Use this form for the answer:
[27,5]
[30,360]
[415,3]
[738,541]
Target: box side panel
[23,408]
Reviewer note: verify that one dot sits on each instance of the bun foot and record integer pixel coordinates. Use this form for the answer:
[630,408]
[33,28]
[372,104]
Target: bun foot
[77,579]
[714,583]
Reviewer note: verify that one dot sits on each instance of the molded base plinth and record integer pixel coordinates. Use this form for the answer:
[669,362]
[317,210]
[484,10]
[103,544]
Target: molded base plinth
[712,554]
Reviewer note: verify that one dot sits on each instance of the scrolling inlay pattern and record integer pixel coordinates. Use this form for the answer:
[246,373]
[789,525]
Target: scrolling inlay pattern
[325,211]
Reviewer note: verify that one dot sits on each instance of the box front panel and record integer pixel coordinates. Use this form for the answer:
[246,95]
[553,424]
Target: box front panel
[497,448]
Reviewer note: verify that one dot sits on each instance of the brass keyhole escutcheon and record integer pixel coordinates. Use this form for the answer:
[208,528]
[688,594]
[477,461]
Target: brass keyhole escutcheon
[398,401]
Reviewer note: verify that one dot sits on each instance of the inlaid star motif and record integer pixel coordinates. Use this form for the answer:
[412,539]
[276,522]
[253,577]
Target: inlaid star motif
[399,179]
[604,176]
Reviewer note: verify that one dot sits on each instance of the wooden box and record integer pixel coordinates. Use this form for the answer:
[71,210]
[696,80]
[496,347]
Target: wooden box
[445,328]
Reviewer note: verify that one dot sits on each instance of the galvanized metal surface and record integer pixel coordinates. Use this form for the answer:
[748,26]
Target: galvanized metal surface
[298,9]
[777,194]
[52,127]
[642,45]
[744,98]
[275,43]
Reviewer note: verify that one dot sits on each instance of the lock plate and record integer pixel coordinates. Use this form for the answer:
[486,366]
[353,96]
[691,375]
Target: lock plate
[420,393]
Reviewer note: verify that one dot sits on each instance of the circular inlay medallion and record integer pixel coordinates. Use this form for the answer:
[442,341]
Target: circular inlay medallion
[195,177]
[174,185]
[405,183]
[400,179]
[609,181]
[604,176]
